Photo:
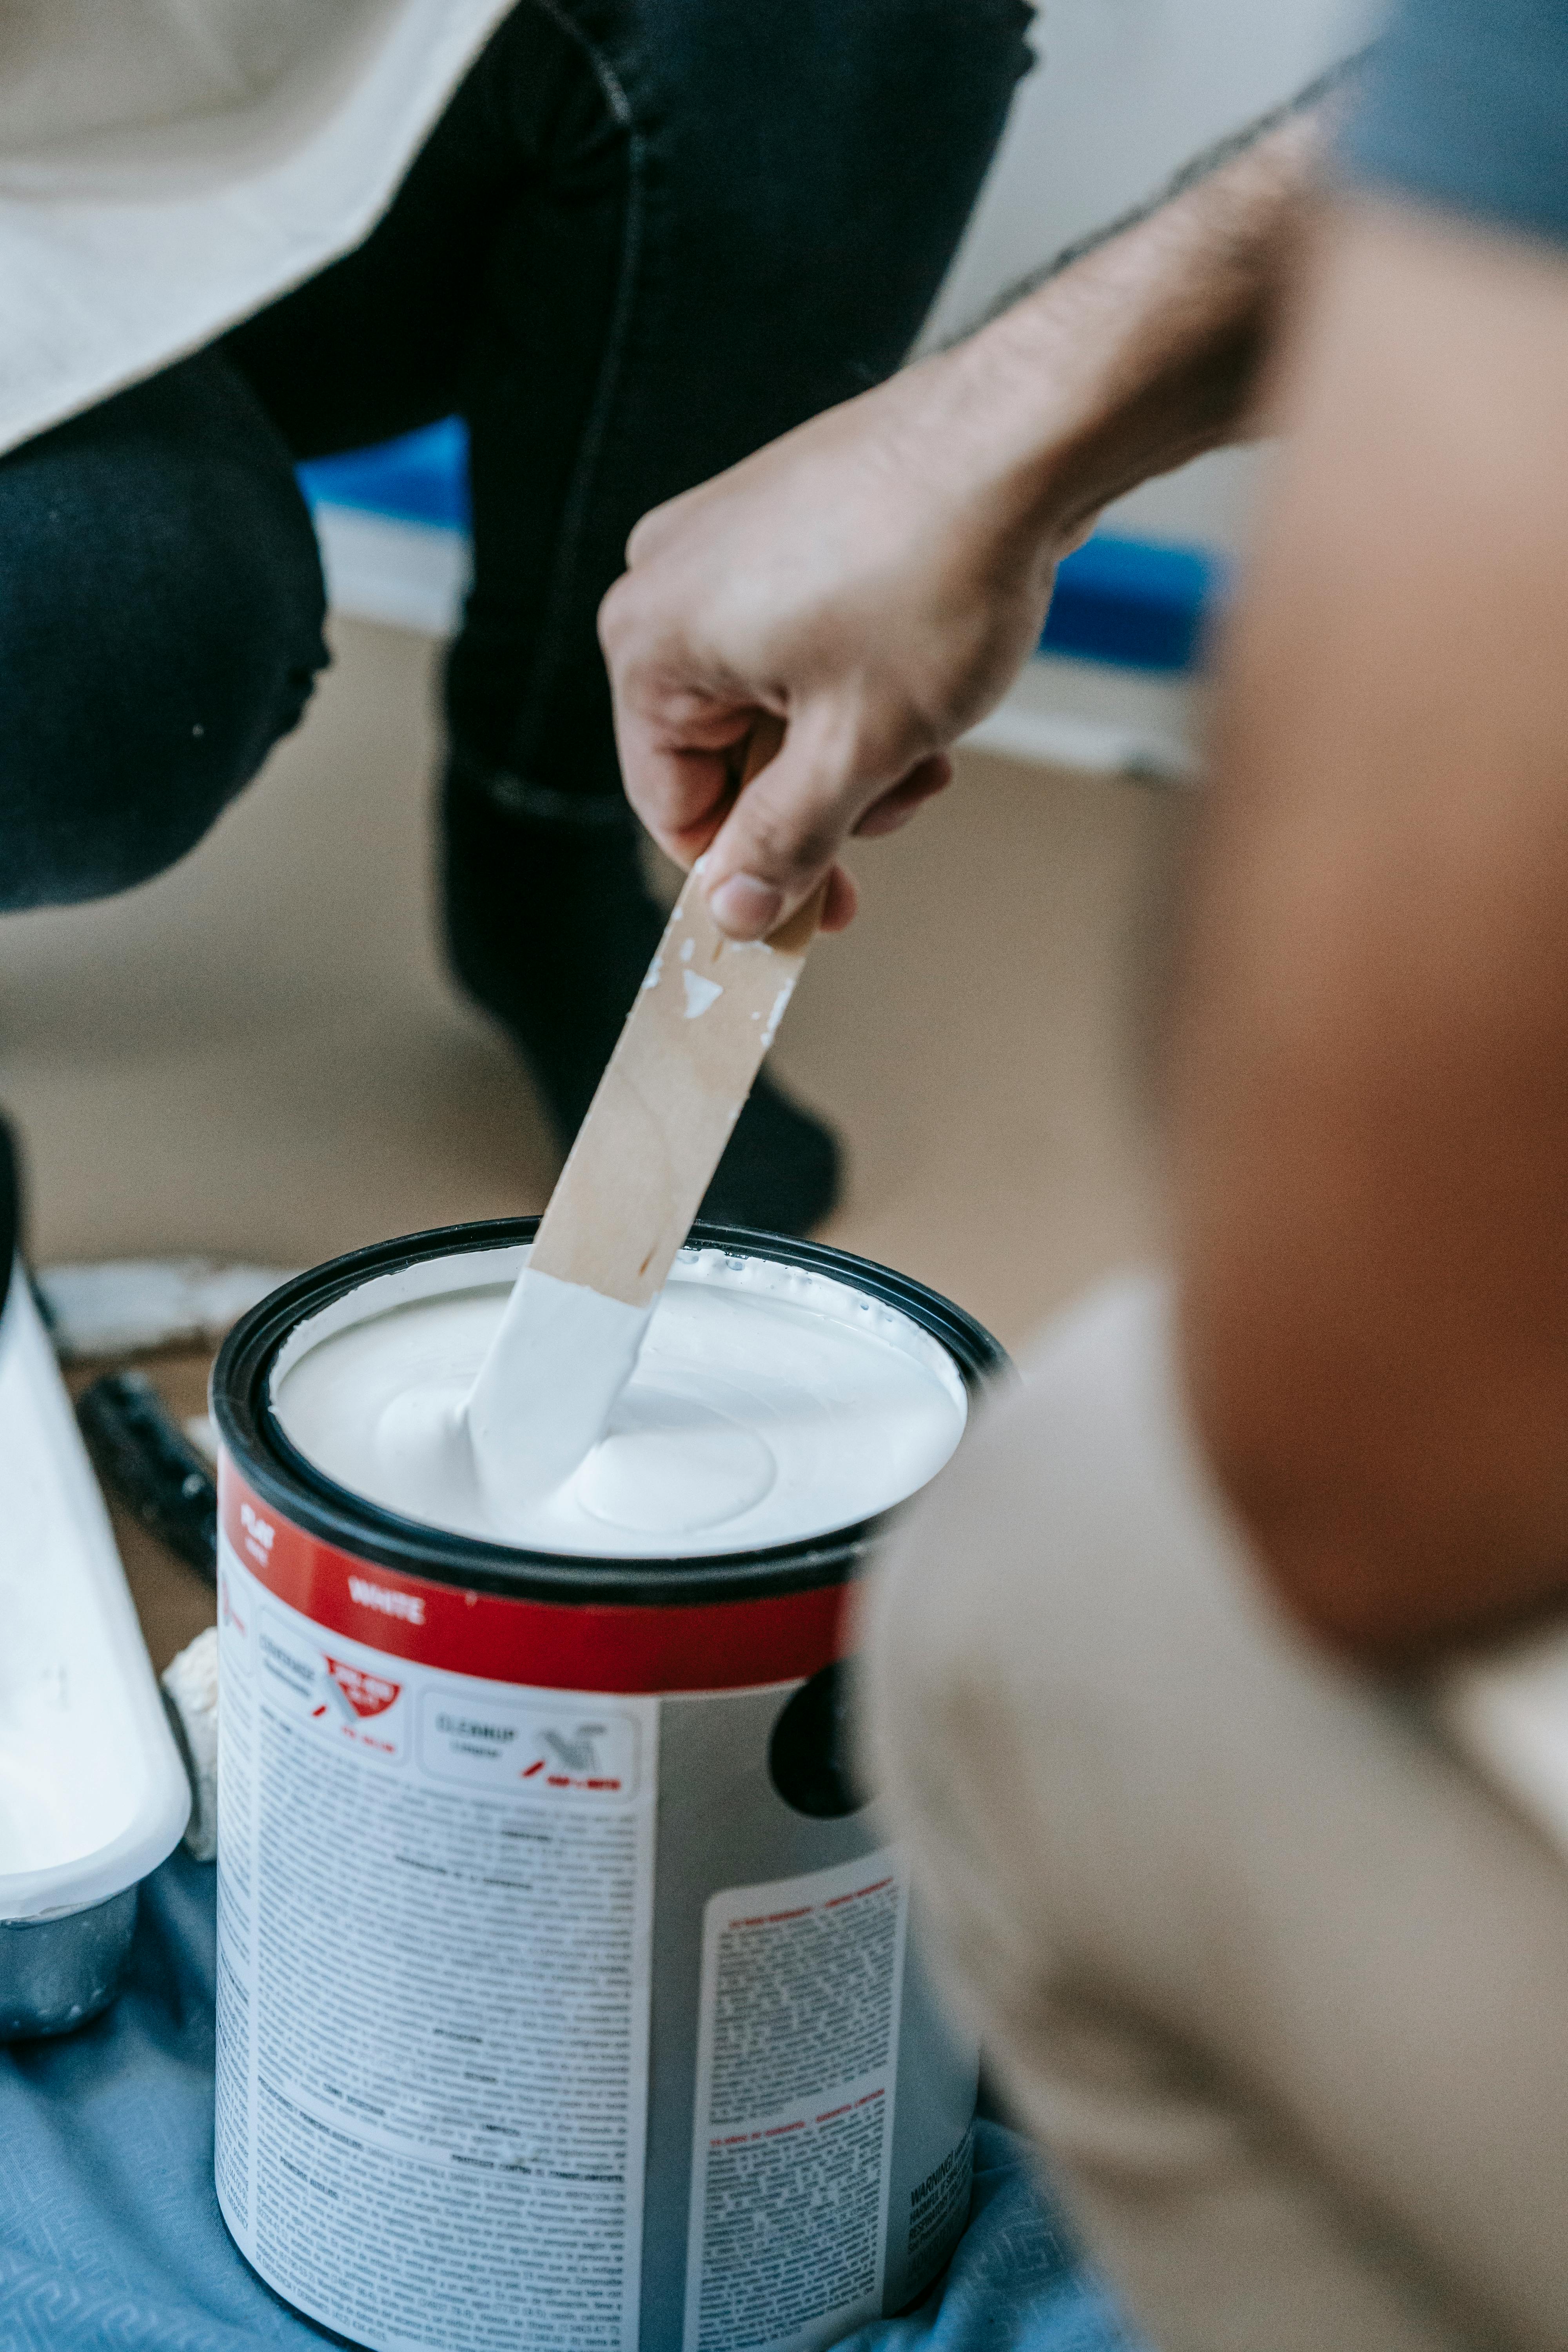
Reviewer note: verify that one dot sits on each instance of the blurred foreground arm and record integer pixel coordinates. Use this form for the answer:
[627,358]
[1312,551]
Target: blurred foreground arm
[877,577]
[1371,1075]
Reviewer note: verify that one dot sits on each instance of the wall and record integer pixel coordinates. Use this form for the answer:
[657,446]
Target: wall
[1126,92]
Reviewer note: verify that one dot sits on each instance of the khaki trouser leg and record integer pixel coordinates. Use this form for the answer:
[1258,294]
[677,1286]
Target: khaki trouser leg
[1279,1984]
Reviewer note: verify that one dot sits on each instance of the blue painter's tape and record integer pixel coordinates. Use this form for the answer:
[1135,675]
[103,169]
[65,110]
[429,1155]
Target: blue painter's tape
[419,477]
[1134,602]
[1126,601]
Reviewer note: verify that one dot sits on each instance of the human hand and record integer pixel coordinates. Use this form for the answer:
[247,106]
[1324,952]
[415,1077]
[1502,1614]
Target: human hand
[874,579]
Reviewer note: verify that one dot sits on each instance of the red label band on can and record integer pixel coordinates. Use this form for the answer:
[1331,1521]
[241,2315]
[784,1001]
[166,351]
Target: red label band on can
[566,1995]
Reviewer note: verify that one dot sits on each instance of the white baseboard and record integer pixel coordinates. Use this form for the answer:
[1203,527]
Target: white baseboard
[412,574]
[1096,717]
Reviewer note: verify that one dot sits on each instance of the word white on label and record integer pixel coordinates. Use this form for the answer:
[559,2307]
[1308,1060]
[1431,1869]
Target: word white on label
[433,1990]
[794,2114]
[406,1605]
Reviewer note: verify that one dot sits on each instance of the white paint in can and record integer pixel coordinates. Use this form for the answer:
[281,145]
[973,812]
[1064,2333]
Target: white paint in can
[768,1403]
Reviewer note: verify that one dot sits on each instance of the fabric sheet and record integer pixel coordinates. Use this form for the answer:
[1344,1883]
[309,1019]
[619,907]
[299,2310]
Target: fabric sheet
[167,166]
[111,2239]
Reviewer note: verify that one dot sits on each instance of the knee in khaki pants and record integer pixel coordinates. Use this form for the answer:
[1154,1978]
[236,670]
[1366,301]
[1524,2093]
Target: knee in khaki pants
[1279,1985]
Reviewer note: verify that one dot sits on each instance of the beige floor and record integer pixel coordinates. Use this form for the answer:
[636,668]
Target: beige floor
[258,1056]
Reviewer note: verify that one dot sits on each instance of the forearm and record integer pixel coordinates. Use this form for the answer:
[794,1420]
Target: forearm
[1143,349]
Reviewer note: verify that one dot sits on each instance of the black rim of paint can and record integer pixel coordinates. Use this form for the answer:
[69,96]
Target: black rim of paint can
[281,1477]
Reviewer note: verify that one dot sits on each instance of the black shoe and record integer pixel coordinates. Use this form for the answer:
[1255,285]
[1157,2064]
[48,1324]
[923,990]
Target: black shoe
[551,928]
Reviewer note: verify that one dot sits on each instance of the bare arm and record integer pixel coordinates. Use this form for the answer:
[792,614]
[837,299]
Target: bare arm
[1371,1075]
[876,577]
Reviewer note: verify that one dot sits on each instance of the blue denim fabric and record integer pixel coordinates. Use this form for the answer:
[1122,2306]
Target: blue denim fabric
[1464,106]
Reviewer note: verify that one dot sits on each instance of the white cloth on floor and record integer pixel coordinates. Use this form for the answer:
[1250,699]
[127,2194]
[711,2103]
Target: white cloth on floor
[1273,1974]
[168,166]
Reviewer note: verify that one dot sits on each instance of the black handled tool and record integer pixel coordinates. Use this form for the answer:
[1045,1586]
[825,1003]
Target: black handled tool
[148,1464]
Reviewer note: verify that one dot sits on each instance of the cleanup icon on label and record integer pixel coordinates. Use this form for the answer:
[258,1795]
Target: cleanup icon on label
[575,1752]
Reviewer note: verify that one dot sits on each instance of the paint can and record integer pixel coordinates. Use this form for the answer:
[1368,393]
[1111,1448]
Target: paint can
[566,1990]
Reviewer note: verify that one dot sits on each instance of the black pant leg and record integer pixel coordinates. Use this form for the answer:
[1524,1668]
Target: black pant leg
[161,610]
[741,217]
[492,286]
[381,340]
[646,236]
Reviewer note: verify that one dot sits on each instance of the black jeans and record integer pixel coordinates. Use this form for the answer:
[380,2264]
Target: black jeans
[646,236]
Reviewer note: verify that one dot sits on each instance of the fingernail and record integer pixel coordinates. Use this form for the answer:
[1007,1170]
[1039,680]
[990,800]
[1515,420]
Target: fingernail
[745,907]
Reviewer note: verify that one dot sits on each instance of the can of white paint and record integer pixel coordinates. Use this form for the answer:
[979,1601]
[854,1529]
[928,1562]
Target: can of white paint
[566,1996]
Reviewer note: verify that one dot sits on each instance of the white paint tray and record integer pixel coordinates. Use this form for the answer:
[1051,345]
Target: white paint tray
[93,1794]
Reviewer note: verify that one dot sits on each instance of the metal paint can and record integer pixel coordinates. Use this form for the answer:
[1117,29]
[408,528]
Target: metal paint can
[567,2000]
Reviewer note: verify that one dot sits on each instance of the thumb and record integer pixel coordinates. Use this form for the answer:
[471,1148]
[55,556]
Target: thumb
[788,824]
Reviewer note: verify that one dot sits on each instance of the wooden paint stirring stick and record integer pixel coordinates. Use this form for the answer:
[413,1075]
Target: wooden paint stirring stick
[682,1068]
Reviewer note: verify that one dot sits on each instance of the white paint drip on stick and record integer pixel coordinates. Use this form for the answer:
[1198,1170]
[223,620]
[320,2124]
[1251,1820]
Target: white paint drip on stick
[699,994]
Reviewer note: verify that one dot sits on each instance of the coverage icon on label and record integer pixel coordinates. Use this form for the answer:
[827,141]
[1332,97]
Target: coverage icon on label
[366,1694]
[335,1695]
